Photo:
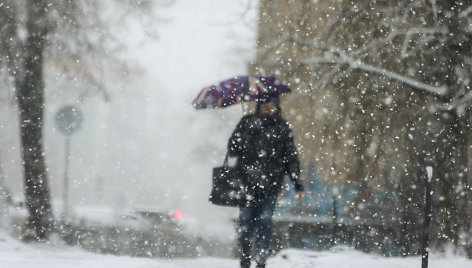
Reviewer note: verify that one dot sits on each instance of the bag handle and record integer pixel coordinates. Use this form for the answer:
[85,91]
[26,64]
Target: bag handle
[225,164]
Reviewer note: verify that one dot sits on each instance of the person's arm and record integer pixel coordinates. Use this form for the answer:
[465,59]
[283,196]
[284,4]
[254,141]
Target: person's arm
[236,142]
[292,164]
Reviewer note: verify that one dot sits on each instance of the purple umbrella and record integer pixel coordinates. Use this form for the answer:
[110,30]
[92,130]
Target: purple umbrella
[238,89]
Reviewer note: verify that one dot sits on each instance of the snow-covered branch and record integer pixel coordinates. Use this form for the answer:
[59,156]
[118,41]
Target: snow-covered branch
[343,59]
[440,91]
[394,34]
[459,104]
[321,83]
[416,31]
[268,48]
[465,12]
[359,65]
[316,45]
[334,55]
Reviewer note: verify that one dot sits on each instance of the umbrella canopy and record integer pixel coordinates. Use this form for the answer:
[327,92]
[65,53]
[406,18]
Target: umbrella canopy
[238,89]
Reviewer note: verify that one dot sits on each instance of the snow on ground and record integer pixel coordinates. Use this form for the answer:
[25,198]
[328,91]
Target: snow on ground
[14,254]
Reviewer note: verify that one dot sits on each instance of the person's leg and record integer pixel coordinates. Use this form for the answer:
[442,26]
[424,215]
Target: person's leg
[245,231]
[264,230]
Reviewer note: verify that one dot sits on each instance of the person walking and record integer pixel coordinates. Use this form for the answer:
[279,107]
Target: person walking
[263,143]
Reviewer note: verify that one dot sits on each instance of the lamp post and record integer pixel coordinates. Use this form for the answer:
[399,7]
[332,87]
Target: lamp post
[68,121]
[427,218]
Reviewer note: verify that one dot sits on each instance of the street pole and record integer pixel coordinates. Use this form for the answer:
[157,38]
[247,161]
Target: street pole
[427,218]
[68,121]
[335,218]
[65,187]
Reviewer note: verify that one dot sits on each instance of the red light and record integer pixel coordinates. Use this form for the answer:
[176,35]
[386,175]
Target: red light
[178,214]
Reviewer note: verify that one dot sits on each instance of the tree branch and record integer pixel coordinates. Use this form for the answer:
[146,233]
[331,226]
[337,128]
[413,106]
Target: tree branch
[414,31]
[464,13]
[359,65]
[392,35]
[344,59]
[459,104]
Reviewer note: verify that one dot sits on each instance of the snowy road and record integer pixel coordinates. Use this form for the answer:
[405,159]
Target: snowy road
[14,254]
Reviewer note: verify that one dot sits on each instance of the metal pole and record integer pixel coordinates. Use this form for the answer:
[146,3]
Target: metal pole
[335,219]
[427,219]
[65,187]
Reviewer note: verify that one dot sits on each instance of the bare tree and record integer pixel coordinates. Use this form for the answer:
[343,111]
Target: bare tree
[388,90]
[29,32]
[23,45]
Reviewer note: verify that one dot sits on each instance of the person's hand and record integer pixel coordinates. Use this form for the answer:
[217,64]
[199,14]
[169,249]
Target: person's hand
[300,195]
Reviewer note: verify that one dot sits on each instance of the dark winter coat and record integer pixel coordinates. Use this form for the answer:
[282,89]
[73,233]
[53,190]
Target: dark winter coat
[266,152]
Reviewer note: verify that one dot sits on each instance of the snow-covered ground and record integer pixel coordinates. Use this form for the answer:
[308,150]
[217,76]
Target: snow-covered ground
[14,254]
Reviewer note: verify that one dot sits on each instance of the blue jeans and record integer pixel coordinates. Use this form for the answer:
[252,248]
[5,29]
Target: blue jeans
[256,219]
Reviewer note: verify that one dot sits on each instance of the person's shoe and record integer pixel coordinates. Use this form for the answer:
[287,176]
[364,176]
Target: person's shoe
[260,265]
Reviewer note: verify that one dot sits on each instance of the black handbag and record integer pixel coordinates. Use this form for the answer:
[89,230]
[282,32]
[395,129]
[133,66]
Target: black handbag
[228,187]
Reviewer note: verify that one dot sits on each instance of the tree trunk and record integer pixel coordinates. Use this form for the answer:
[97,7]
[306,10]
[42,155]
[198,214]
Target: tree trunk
[30,95]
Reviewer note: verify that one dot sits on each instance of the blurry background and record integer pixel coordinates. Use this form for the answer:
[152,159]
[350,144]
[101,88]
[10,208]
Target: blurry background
[142,145]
